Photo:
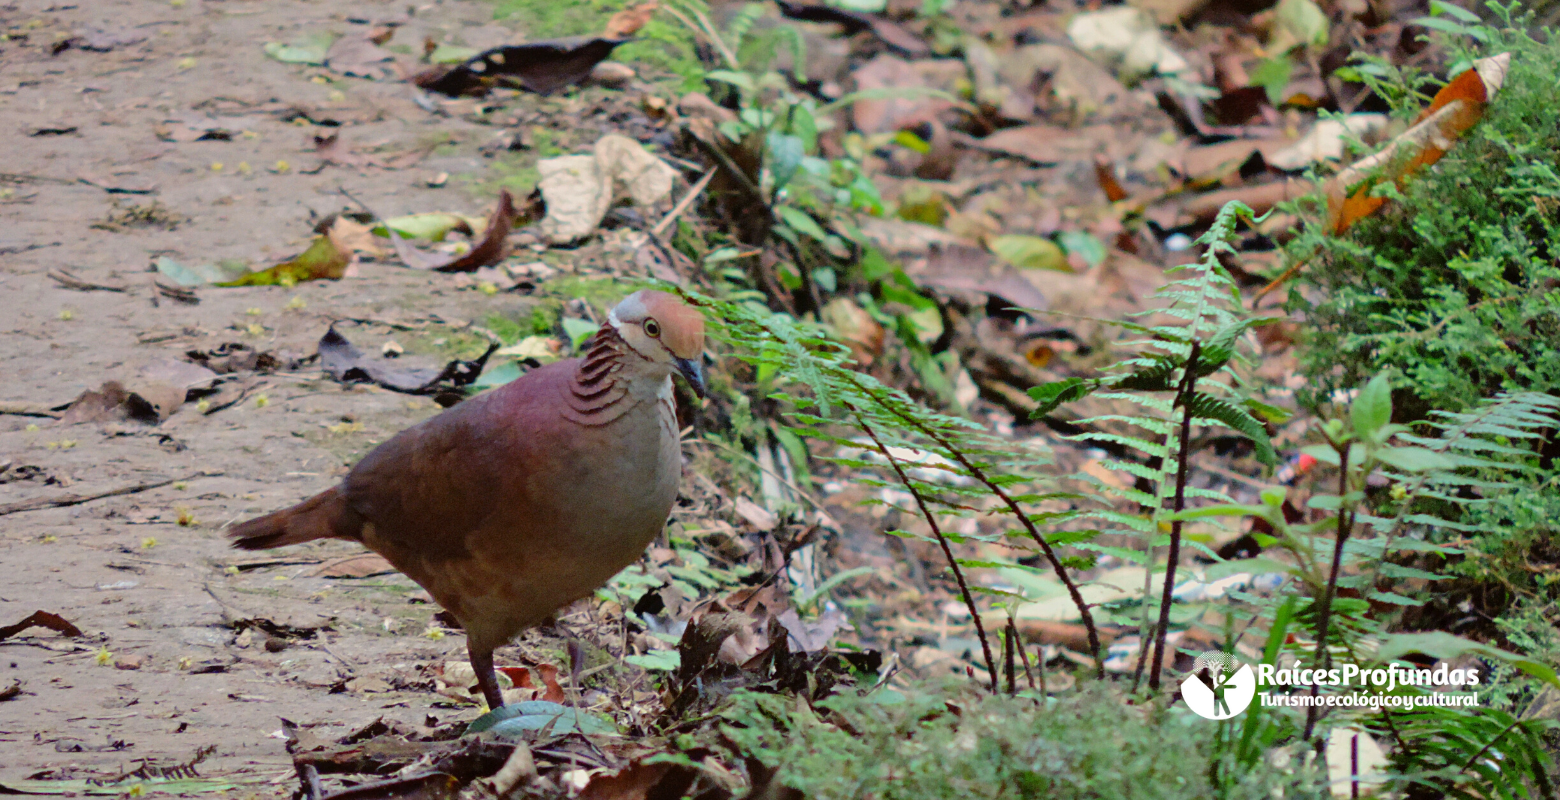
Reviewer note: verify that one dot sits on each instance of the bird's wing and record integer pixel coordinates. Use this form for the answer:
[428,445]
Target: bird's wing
[431,486]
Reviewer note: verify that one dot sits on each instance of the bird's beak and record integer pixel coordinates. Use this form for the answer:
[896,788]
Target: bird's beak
[690,369]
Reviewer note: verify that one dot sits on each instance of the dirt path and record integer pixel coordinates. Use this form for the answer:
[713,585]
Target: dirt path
[163,672]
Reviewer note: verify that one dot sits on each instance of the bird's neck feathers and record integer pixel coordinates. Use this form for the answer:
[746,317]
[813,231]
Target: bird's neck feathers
[612,378]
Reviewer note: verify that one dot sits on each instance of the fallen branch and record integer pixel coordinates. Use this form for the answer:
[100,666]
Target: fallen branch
[683,204]
[28,410]
[38,503]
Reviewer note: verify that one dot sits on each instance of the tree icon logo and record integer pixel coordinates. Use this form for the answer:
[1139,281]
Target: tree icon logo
[1219,687]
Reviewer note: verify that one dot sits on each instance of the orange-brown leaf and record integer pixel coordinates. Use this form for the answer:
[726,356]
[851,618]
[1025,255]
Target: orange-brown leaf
[628,21]
[1107,178]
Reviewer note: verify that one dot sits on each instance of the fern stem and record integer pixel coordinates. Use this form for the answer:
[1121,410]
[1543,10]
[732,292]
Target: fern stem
[1029,525]
[942,541]
[1489,744]
[1345,524]
[1188,386]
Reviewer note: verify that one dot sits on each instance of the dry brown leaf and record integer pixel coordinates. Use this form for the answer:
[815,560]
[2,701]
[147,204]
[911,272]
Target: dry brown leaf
[628,21]
[487,252]
[361,565]
[1456,108]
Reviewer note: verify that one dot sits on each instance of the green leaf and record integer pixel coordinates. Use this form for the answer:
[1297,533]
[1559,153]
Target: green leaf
[657,660]
[1303,21]
[497,374]
[1439,7]
[202,274]
[1208,407]
[1158,377]
[801,222]
[578,331]
[307,49]
[785,156]
[1443,645]
[432,226]
[517,719]
[1084,244]
[1415,459]
[451,54]
[1029,252]
[741,80]
[1053,394]
[1273,75]
[1372,410]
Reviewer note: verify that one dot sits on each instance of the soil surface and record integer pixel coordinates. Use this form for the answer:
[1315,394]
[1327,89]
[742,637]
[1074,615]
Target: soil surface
[167,667]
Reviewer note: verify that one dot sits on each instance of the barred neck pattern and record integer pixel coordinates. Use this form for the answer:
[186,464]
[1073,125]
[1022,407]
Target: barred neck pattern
[596,395]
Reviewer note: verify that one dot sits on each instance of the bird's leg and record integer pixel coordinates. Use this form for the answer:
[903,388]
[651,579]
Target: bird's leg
[487,677]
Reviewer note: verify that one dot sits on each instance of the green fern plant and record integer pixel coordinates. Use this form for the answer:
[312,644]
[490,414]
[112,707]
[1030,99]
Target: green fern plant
[1439,479]
[1181,376]
[949,466]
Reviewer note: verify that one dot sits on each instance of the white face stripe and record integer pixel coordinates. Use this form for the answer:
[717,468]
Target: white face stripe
[617,325]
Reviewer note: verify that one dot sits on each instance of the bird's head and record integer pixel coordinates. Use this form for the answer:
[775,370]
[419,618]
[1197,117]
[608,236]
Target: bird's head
[663,329]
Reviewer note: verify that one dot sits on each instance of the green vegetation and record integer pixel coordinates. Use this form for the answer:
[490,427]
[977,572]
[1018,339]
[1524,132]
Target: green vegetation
[954,742]
[1454,290]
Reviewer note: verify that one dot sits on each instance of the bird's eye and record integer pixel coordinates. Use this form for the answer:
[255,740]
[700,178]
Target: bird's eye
[652,328]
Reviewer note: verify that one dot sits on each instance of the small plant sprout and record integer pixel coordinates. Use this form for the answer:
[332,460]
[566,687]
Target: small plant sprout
[66,314]
[262,400]
[186,517]
[151,541]
[104,657]
[296,304]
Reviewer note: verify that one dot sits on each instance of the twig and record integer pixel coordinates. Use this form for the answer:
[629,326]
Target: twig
[69,280]
[1184,397]
[953,563]
[77,499]
[1023,519]
[683,204]
[1345,522]
[1022,653]
[28,410]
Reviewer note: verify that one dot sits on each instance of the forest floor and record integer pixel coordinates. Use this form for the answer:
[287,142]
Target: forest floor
[163,673]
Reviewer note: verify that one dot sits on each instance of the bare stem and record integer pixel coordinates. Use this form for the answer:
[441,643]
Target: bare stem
[953,563]
[1183,399]
[1345,524]
[1029,525]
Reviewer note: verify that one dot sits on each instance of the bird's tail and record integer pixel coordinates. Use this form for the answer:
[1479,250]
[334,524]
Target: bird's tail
[323,516]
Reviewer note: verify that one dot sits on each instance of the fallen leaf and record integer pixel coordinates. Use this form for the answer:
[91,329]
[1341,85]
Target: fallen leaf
[1324,141]
[627,22]
[488,251]
[541,67]
[112,401]
[578,190]
[98,40]
[331,151]
[347,364]
[888,114]
[41,619]
[311,49]
[855,22]
[1127,37]
[361,565]
[1105,173]
[358,55]
[433,226]
[322,261]
[1456,108]
[1042,144]
[195,129]
[116,184]
[1029,252]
